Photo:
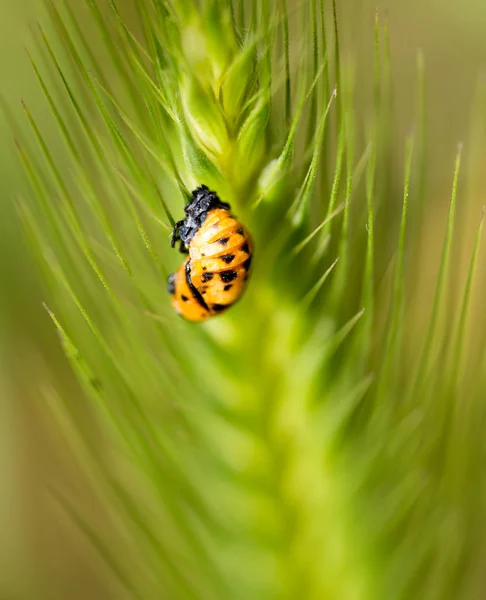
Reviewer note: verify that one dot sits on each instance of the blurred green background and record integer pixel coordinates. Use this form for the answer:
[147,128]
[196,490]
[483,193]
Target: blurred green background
[34,544]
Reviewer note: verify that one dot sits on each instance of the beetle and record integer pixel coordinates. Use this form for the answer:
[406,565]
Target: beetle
[220,250]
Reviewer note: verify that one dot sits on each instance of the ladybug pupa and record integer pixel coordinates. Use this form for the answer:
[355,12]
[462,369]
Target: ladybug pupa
[214,275]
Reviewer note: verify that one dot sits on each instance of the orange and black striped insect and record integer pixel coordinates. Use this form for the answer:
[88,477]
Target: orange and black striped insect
[214,275]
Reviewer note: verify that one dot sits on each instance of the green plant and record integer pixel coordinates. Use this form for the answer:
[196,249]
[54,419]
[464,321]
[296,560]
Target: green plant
[297,446]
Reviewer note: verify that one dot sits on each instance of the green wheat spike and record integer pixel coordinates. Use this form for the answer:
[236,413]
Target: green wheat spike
[349,128]
[368,289]
[439,297]
[278,170]
[286,44]
[314,53]
[338,171]
[304,444]
[325,222]
[302,200]
[391,347]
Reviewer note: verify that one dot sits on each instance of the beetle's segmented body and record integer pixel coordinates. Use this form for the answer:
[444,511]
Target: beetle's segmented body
[214,275]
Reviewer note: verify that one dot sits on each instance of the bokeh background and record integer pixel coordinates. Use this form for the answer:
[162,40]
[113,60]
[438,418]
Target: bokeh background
[36,548]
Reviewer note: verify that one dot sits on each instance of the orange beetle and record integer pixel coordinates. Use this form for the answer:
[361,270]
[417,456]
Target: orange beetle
[214,275]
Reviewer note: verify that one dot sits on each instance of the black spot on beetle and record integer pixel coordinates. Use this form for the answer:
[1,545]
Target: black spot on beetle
[227,258]
[204,268]
[228,287]
[184,298]
[240,231]
[219,307]
[207,277]
[202,254]
[223,241]
[247,264]
[228,276]
[246,248]
[195,292]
